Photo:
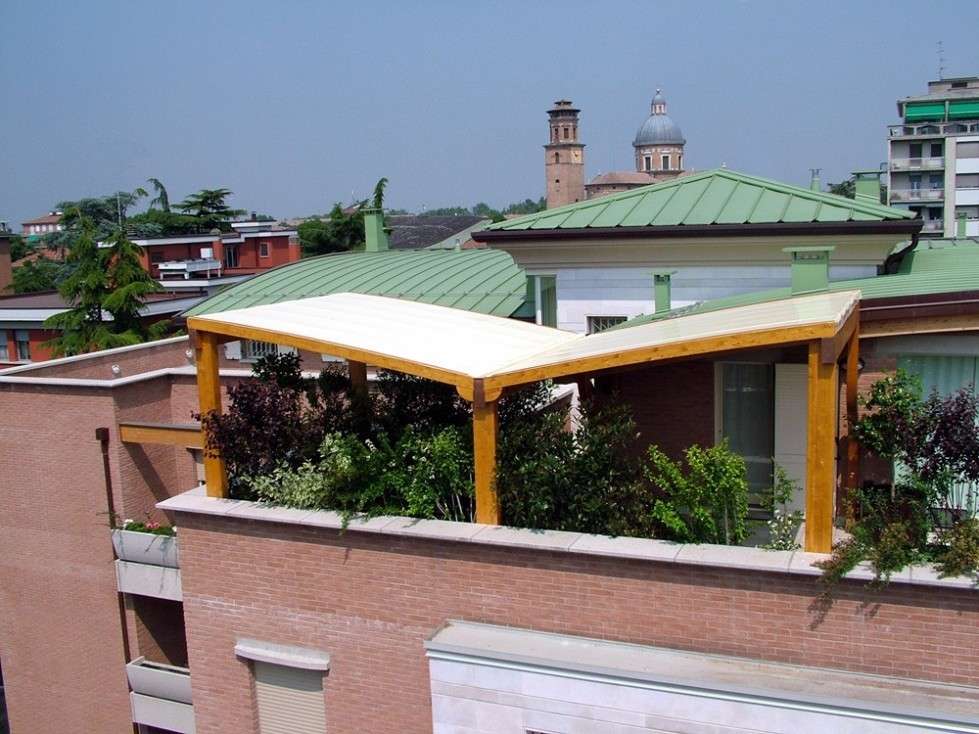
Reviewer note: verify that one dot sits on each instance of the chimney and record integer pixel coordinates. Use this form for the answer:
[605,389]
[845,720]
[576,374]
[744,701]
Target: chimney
[810,268]
[375,233]
[814,183]
[661,290]
[6,273]
[866,186]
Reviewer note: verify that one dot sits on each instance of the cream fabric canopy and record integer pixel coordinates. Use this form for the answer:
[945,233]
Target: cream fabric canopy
[459,347]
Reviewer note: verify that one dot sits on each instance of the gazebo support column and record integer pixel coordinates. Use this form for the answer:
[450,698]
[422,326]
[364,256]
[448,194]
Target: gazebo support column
[485,429]
[209,397]
[358,377]
[852,446]
[821,452]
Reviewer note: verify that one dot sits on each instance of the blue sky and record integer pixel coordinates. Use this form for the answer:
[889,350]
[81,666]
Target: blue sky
[295,105]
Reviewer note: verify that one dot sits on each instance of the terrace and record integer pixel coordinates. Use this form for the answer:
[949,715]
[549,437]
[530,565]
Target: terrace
[483,358]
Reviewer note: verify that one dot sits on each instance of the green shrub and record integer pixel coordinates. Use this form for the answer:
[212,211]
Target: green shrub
[961,554]
[784,525]
[708,503]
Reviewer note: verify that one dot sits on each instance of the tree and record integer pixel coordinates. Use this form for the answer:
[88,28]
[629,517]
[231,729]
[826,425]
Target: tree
[341,232]
[103,281]
[378,201]
[35,277]
[162,199]
[848,188]
[18,247]
[210,207]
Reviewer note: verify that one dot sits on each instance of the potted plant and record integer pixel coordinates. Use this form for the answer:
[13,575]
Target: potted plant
[146,542]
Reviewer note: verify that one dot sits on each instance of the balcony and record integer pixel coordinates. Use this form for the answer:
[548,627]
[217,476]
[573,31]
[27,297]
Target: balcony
[147,565]
[917,194]
[933,225]
[188,268]
[918,164]
[932,129]
[161,696]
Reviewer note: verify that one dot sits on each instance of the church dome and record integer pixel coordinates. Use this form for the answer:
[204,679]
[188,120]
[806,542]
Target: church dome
[659,128]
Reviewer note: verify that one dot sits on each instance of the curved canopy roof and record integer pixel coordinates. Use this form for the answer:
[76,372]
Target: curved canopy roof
[483,281]
[721,197]
[476,351]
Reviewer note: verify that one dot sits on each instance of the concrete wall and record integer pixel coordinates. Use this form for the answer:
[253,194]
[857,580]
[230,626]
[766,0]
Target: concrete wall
[370,600]
[628,291]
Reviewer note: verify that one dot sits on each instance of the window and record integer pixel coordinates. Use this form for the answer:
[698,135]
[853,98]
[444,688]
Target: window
[648,163]
[747,405]
[936,181]
[23,339]
[289,700]
[263,249]
[156,257]
[936,150]
[914,150]
[541,299]
[231,256]
[967,150]
[4,347]
[915,182]
[601,323]
[564,133]
[557,157]
[679,162]
[665,162]
[252,350]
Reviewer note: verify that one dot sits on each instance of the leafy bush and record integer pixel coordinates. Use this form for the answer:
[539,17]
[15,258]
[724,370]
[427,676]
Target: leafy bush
[708,503]
[937,442]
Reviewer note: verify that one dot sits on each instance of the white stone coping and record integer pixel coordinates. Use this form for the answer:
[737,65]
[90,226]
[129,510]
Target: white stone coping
[939,706]
[290,656]
[645,549]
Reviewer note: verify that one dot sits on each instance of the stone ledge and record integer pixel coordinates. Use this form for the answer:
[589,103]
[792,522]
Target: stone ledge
[644,549]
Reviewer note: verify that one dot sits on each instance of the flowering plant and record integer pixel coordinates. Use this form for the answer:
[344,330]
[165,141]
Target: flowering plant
[148,526]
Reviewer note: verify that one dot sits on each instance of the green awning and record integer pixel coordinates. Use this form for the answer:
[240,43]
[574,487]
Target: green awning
[963,108]
[915,111]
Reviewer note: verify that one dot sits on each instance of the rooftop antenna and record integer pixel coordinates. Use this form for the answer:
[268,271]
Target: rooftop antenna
[941,60]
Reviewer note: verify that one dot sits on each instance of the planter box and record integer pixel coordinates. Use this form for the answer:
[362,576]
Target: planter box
[162,714]
[145,579]
[156,550]
[159,680]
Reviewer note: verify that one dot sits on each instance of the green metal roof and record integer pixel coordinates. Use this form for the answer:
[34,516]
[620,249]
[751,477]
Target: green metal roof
[483,281]
[934,266]
[718,197]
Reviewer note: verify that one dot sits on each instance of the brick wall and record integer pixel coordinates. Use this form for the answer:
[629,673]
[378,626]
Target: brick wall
[370,601]
[153,356]
[673,404]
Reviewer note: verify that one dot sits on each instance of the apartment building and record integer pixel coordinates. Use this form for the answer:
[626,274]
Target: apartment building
[45,224]
[265,619]
[933,157]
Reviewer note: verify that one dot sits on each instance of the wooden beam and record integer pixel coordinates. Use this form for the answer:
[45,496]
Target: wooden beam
[209,397]
[832,347]
[821,451]
[188,435]
[485,428]
[358,377]
[852,446]
[923,325]
[658,353]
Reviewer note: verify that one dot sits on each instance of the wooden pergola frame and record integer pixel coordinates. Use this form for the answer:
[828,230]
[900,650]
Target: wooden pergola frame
[826,342]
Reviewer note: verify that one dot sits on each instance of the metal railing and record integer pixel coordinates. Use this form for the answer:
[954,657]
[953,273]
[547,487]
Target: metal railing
[933,225]
[932,129]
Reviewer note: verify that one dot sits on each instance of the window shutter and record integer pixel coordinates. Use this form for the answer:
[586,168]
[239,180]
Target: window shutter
[232,350]
[791,410]
[290,700]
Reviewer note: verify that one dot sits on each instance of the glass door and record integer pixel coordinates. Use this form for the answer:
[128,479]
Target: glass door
[748,422]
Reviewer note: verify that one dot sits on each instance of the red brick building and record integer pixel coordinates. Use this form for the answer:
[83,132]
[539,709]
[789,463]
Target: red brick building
[275,619]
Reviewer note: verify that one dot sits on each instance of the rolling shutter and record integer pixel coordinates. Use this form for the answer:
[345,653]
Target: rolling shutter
[290,700]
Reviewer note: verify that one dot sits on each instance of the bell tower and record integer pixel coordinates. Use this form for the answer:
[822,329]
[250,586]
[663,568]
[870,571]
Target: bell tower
[564,156]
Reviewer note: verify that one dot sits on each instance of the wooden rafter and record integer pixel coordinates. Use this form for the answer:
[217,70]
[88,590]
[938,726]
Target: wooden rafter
[188,435]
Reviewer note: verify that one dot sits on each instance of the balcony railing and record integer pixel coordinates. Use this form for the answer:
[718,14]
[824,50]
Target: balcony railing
[933,129]
[933,225]
[918,164]
[917,194]
[186,268]
[148,565]
[161,695]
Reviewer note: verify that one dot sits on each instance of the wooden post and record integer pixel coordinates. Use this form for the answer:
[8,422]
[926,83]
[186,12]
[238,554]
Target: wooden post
[485,427]
[852,446]
[821,452]
[358,377]
[209,396]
